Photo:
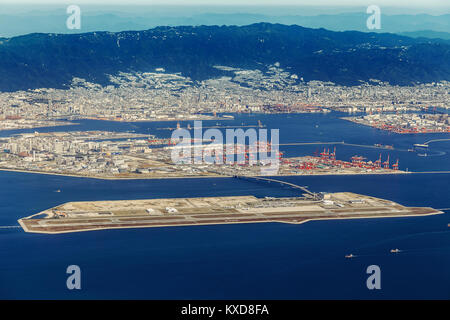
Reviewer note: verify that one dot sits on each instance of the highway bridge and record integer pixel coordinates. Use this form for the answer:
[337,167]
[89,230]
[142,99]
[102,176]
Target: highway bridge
[425,144]
[436,140]
[316,196]
[309,143]
[339,143]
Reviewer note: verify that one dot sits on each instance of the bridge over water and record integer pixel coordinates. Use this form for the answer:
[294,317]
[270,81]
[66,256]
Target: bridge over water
[339,143]
[436,140]
[284,183]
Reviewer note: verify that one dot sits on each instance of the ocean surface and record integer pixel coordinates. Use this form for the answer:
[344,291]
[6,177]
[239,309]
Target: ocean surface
[243,261]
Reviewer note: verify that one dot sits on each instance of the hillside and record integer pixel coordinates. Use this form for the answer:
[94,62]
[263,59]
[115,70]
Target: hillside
[346,58]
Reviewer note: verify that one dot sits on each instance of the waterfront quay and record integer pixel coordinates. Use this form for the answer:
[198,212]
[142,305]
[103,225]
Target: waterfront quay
[405,123]
[126,155]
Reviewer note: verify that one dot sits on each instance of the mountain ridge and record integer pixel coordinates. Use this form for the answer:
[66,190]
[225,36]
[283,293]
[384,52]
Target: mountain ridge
[116,21]
[345,57]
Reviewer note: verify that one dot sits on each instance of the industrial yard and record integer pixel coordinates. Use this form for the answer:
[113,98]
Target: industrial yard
[326,163]
[98,215]
[17,123]
[127,155]
[406,123]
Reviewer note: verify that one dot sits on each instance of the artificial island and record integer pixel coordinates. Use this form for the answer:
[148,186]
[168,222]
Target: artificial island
[128,155]
[99,215]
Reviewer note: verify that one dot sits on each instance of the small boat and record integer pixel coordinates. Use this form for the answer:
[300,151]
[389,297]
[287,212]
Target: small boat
[395,250]
[349,256]
[58,190]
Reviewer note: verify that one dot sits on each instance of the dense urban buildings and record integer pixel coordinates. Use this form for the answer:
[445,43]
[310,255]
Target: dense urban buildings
[161,96]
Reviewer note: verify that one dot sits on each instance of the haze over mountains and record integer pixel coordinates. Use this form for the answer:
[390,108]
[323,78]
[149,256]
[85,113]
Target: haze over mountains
[52,19]
[346,58]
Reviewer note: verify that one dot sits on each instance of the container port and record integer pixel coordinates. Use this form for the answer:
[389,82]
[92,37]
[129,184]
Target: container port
[406,123]
[326,160]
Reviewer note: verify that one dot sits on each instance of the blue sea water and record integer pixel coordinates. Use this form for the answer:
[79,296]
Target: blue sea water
[246,261]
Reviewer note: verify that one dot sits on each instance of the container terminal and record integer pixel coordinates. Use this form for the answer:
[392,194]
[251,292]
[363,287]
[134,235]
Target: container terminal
[406,123]
[128,155]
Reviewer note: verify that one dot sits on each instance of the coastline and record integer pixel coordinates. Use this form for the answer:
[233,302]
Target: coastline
[25,229]
[69,123]
[394,172]
[157,120]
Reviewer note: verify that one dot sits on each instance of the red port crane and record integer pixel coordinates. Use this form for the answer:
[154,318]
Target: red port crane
[386,163]
[325,154]
[333,155]
[378,162]
[395,165]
